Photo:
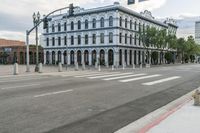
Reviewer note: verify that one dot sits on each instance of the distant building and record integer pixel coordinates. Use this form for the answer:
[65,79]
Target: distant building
[12,51]
[107,35]
[197,32]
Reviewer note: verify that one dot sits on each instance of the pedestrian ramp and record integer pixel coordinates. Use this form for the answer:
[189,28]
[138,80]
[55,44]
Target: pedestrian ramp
[128,77]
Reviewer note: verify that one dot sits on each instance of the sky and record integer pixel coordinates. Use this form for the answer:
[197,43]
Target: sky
[16,15]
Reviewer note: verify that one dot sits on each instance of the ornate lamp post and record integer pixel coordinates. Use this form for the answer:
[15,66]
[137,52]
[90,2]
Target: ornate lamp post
[36,20]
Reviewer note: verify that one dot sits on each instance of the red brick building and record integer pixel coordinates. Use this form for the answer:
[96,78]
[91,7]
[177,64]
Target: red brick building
[15,51]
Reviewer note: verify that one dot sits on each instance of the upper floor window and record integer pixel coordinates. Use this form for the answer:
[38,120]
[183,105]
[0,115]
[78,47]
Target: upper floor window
[131,24]
[120,37]
[126,38]
[79,24]
[47,43]
[110,37]
[72,25]
[102,38]
[72,40]
[86,24]
[102,22]
[86,39]
[94,39]
[47,30]
[65,26]
[65,40]
[59,27]
[120,22]
[135,25]
[59,41]
[110,21]
[94,23]
[79,39]
[53,41]
[131,38]
[126,23]
[53,28]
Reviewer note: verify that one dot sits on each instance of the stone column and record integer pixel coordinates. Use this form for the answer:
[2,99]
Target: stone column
[62,57]
[82,57]
[68,58]
[50,57]
[56,57]
[44,57]
[116,59]
[90,58]
[128,57]
[75,57]
[137,56]
[106,58]
[123,57]
[98,52]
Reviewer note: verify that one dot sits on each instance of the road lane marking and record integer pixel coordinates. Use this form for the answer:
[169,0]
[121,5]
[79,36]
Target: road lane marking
[111,75]
[22,86]
[23,79]
[161,80]
[88,75]
[139,78]
[52,93]
[127,76]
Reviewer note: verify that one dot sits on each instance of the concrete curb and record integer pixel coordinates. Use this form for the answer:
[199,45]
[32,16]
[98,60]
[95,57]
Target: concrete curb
[147,122]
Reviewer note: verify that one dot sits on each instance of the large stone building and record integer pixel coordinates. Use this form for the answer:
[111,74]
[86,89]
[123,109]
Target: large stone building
[12,51]
[107,35]
[197,32]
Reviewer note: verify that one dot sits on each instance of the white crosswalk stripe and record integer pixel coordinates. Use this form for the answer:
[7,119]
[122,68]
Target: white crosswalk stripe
[127,76]
[139,78]
[161,80]
[111,75]
[94,74]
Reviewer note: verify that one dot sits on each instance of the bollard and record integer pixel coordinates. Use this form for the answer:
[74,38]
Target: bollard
[113,68]
[40,68]
[16,70]
[196,97]
[76,66]
[99,68]
[83,66]
[59,67]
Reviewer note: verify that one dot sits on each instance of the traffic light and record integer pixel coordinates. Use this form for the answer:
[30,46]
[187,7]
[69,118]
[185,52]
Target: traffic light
[71,9]
[45,23]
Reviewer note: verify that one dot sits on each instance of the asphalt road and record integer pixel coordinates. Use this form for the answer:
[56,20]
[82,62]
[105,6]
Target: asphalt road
[89,101]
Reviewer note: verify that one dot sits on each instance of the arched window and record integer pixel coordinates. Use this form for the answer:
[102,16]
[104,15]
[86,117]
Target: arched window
[79,24]
[94,23]
[120,21]
[126,23]
[86,24]
[86,39]
[53,28]
[72,25]
[102,22]
[59,27]
[110,21]
[110,37]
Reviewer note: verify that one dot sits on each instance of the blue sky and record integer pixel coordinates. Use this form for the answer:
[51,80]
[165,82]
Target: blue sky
[16,16]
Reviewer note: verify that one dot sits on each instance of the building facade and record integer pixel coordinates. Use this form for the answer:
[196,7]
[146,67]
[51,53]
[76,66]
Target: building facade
[12,51]
[107,35]
[197,32]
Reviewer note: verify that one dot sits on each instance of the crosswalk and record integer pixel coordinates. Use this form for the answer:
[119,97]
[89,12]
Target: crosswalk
[122,77]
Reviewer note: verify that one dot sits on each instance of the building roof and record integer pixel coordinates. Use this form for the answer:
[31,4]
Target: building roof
[11,43]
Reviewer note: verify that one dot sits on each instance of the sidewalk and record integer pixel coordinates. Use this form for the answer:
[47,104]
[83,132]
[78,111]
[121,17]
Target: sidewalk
[179,116]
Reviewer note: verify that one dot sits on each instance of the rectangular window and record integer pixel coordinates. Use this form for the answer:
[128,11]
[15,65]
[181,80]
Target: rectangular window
[79,39]
[110,37]
[86,39]
[47,42]
[131,38]
[94,38]
[120,37]
[65,39]
[125,38]
[59,41]
[102,38]
[72,40]
[53,41]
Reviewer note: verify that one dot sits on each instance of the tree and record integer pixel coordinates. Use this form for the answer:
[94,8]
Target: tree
[181,48]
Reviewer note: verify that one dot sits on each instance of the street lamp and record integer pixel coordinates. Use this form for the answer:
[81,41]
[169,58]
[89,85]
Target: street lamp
[36,20]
